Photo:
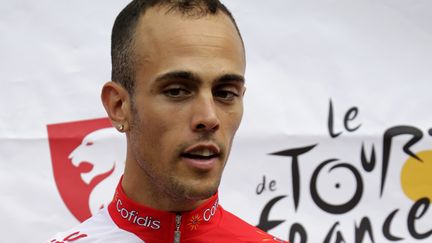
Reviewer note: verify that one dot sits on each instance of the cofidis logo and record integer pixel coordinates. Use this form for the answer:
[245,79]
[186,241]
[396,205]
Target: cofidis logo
[134,217]
[87,160]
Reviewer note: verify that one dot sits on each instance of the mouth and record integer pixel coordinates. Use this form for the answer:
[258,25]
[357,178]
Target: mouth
[84,166]
[85,169]
[202,156]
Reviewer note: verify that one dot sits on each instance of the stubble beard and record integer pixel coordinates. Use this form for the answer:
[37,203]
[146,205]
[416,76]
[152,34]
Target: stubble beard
[174,188]
[169,186]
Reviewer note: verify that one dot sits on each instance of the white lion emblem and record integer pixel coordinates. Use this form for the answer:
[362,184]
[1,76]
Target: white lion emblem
[105,149]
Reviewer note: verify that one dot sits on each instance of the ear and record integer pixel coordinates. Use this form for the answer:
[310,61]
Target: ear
[116,101]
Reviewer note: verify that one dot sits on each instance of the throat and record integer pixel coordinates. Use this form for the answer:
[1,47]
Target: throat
[144,191]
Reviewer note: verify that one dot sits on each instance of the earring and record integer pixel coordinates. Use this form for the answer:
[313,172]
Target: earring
[120,128]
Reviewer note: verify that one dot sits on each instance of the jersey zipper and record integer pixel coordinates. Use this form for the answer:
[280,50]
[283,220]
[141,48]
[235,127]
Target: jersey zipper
[177,232]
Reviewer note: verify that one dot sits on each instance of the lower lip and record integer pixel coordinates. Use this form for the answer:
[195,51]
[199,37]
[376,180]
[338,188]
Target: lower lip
[199,164]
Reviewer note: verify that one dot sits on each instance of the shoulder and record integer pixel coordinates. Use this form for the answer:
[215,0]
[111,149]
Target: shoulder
[97,229]
[236,228]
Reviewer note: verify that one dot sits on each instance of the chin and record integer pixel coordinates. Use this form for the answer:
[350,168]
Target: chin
[200,191]
[194,189]
[201,195]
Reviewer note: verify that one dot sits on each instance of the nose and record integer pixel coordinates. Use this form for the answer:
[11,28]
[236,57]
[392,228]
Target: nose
[204,115]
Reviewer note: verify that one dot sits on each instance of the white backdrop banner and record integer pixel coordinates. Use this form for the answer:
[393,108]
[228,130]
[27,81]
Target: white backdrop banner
[335,144]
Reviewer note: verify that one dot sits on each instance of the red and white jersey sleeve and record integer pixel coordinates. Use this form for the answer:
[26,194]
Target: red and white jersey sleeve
[125,221]
[99,228]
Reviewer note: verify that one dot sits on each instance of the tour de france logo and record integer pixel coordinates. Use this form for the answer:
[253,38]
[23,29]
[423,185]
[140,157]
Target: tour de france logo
[373,163]
[87,161]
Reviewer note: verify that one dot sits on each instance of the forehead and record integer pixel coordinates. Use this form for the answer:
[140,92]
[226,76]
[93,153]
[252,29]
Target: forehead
[162,34]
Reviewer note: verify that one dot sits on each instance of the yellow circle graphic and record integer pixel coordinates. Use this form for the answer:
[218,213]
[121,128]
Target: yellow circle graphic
[416,176]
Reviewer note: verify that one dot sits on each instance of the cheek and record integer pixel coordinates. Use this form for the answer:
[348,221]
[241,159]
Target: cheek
[240,115]
[158,132]
[237,115]
[233,119]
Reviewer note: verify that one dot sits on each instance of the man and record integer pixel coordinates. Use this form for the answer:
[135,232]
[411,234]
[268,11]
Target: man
[177,91]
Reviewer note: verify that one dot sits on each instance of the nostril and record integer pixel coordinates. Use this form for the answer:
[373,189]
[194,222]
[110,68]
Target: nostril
[203,127]
[200,126]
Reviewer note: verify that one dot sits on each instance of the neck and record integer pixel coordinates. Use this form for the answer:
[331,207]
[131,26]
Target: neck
[140,187]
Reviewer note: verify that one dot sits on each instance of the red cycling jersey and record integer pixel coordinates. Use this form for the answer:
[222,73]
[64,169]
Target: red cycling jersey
[125,221]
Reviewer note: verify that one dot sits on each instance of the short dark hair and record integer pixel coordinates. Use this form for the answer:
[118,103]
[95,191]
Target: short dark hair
[122,37]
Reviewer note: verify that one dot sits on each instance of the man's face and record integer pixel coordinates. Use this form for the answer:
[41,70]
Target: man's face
[187,103]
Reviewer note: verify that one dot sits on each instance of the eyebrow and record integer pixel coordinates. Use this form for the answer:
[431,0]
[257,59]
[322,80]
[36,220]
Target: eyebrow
[230,78]
[187,75]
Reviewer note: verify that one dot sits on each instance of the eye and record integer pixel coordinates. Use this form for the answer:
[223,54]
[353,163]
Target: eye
[177,92]
[226,94]
[89,143]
